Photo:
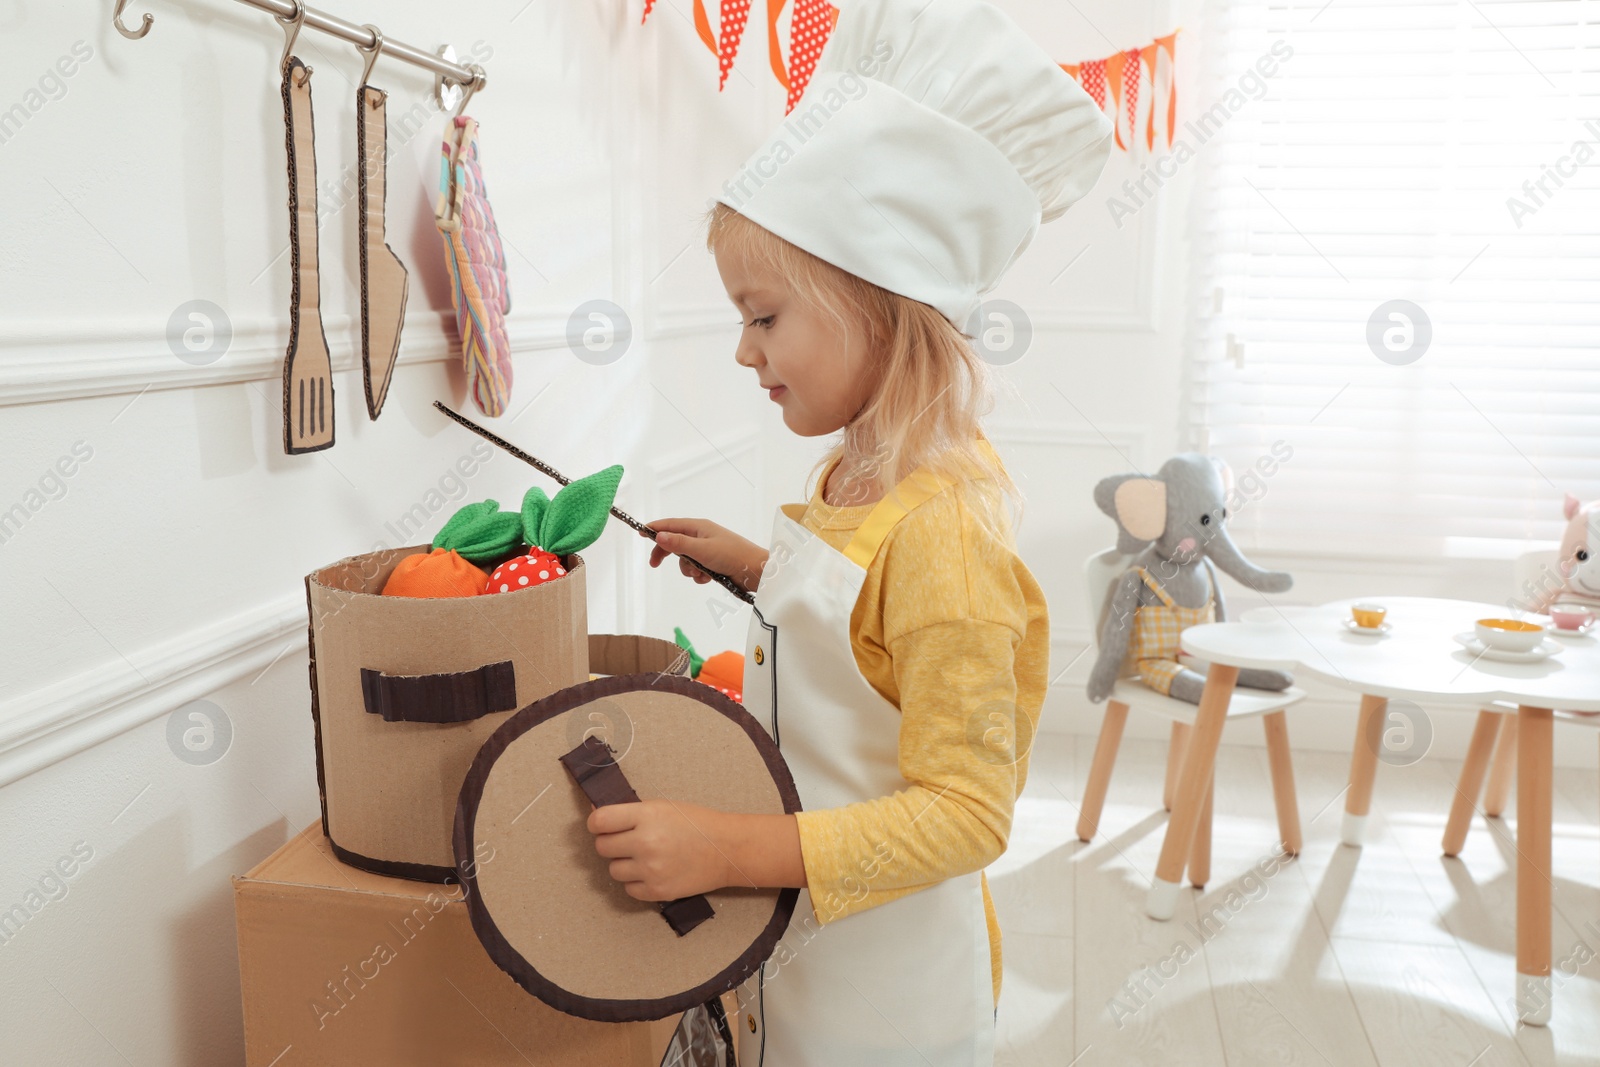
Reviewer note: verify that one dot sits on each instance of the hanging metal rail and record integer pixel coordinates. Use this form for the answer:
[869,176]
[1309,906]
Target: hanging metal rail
[363,37]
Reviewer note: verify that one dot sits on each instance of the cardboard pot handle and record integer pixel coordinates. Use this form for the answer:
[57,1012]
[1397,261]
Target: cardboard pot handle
[602,781]
[459,697]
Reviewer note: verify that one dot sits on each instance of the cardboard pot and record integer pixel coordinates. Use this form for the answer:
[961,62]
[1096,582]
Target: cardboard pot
[405,690]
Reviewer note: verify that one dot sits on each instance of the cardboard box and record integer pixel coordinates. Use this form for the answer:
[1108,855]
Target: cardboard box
[344,968]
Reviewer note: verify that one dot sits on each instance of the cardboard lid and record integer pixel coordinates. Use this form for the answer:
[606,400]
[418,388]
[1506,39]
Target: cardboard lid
[542,900]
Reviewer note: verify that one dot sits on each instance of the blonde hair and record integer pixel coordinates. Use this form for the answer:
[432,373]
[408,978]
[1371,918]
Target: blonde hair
[927,387]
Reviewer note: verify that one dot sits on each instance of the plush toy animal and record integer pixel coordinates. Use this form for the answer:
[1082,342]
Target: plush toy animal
[1175,523]
[1577,573]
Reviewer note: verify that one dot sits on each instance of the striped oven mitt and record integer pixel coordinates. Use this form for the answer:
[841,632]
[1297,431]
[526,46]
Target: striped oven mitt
[477,268]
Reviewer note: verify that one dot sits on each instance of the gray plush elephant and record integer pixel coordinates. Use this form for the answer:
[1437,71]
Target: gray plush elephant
[1176,522]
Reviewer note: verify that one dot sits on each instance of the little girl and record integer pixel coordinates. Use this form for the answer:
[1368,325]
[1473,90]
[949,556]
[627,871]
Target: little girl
[898,648]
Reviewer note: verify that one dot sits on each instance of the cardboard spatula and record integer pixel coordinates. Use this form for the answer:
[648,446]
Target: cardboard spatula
[384,279]
[307,368]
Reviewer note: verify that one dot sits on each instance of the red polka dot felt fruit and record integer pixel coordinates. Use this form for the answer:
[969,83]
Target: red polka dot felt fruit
[527,549]
[535,568]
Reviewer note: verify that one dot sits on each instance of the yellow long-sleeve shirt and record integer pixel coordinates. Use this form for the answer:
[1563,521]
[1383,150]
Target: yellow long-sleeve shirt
[952,629]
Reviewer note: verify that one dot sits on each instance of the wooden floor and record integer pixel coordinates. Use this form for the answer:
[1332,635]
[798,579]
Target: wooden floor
[1390,954]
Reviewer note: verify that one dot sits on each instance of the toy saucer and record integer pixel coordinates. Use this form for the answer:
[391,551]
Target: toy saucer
[1581,633]
[1469,640]
[1367,631]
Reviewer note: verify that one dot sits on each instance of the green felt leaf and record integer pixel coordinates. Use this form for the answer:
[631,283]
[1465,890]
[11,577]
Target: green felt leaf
[696,660]
[534,506]
[481,531]
[577,514]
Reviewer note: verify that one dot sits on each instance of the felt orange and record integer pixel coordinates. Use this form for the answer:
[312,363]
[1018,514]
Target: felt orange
[724,671]
[441,572]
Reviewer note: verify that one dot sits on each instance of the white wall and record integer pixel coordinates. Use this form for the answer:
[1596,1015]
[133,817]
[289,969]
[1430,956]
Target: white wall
[167,567]
[170,567]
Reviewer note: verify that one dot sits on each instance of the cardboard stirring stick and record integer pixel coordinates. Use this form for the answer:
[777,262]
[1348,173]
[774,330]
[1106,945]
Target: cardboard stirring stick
[721,579]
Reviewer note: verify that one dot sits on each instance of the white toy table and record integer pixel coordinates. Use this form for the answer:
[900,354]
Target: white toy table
[1418,659]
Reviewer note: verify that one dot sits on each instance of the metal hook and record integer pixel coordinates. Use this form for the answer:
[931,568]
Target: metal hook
[291,33]
[479,80]
[371,53]
[132,35]
[443,86]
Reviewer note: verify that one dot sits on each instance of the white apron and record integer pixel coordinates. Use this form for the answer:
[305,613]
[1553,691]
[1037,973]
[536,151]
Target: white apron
[904,984]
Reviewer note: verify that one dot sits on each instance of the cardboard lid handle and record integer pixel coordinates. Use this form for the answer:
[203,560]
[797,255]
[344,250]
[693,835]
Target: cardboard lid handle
[602,781]
[442,698]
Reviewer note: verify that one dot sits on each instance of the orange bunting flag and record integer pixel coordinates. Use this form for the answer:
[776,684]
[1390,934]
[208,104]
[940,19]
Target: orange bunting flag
[1166,44]
[1132,75]
[1093,80]
[1148,55]
[774,9]
[1113,83]
[1114,91]
[735,13]
[702,26]
[810,25]
[1122,80]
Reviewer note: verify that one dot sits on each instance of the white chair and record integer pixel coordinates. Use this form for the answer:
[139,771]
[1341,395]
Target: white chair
[1498,720]
[1101,571]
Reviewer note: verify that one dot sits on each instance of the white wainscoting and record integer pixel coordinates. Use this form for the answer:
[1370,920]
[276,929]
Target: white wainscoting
[53,723]
[106,358]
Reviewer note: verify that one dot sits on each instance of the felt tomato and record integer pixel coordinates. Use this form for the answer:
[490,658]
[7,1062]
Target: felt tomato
[535,568]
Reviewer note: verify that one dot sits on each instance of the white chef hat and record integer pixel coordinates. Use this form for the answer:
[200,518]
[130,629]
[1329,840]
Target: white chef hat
[932,140]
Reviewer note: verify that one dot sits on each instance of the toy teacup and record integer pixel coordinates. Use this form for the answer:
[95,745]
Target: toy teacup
[1368,616]
[1570,616]
[1509,635]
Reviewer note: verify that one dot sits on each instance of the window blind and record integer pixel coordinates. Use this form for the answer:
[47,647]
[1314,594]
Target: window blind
[1446,154]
